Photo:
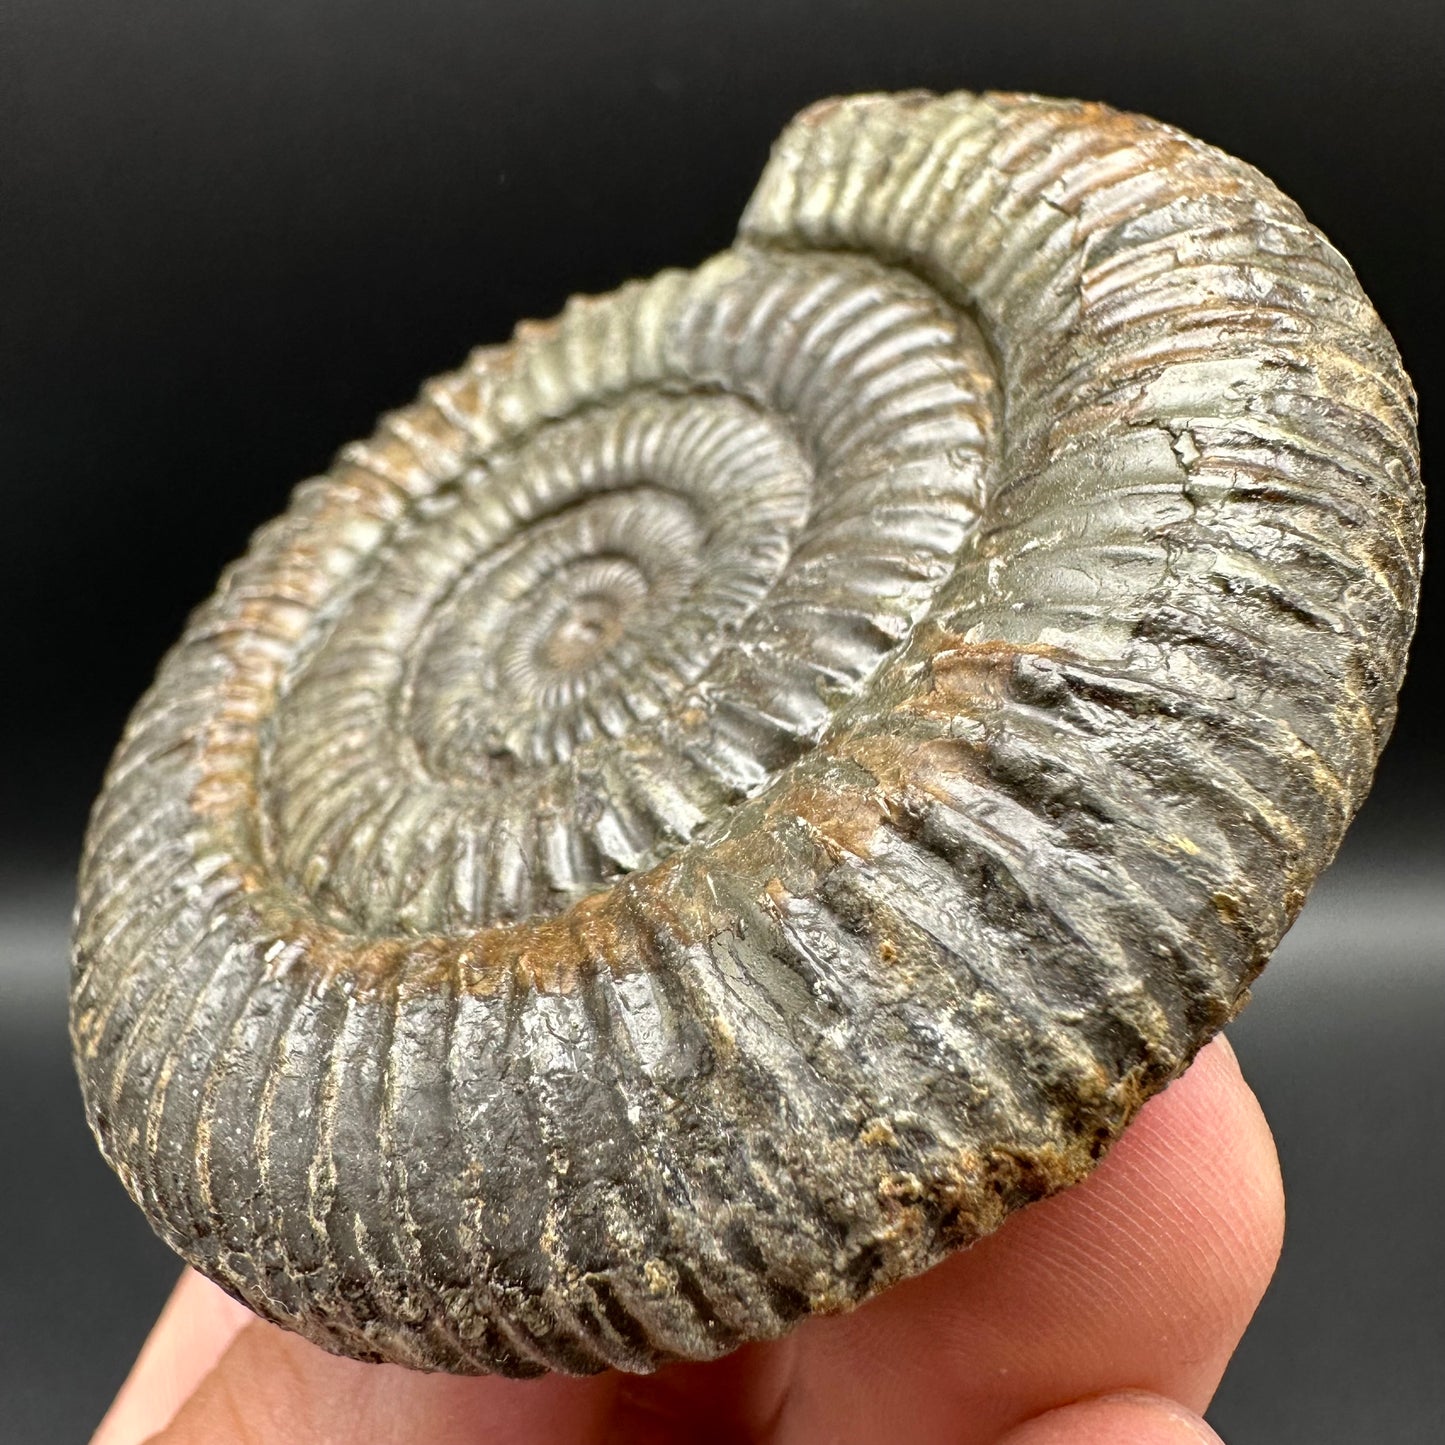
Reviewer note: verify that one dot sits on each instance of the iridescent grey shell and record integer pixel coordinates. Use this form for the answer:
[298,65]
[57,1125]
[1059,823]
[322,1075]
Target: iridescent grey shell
[730,794]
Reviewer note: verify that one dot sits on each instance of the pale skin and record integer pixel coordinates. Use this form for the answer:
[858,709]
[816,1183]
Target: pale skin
[1103,1316]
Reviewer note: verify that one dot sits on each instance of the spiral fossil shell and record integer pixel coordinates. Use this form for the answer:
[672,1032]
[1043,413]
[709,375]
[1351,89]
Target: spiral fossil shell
[733,792]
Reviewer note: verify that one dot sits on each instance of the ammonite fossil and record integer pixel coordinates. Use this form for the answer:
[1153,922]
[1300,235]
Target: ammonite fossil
[733,792]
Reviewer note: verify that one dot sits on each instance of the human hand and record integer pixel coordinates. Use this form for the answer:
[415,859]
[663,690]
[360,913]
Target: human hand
[1102,1316]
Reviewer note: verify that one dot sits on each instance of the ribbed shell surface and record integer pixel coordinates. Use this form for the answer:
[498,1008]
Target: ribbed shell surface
[732,793]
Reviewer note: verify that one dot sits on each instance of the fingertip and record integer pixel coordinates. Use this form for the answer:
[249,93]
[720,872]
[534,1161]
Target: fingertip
[277,1387]
[1207,1149]
[1142,1277]
[1186,1218]
[1132,1418]
[194,1330]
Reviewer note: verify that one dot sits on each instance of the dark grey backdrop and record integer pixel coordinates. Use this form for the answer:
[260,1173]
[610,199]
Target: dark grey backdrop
[231,233]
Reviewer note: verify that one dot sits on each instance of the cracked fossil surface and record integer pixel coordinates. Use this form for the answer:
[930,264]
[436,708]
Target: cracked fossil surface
[733,792]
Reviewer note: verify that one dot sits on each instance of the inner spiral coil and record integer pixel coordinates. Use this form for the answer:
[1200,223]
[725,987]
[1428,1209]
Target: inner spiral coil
[579,647]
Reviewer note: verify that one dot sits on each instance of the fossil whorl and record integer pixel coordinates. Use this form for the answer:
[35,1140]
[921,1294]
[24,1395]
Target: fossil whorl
[730,794]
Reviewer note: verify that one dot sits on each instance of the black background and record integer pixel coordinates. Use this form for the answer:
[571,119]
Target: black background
[232,233]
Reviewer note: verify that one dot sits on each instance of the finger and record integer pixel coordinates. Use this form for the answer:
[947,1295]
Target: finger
[1140,1278]
[1116,1420]
[274,1386]
[192,1333]
[736,1398]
